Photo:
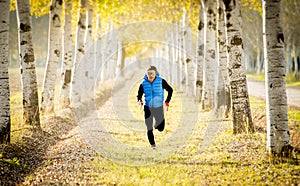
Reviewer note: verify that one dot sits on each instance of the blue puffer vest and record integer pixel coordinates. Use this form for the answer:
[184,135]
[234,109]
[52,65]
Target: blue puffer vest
[154,93]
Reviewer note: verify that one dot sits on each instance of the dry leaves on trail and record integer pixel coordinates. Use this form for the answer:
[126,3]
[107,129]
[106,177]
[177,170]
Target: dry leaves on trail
[54,155]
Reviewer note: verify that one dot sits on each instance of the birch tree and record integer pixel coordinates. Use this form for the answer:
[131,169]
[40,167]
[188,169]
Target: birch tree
[87,62]
[209,66]
[79,53]
[54,56]
[275,69]
[201,40]
[223,99]
[31,114]
[67,51]
[4,76]
[241,113]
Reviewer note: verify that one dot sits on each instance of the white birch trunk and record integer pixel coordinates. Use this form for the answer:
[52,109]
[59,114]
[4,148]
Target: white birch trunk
[67,51]
[241,113]
[208,100]
[112,52]
[88,63]
[190,63]
[175,56]
[53,58]
[296,64]
[180,57]
[97,53]
[222,89]
[104,49]
[120,59]
[201,40]
[276,99]
[97,50]
[31,113]
[4,77]
[80,48]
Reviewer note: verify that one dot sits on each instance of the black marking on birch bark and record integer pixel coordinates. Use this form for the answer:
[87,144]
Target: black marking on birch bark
[228,25]
[200,25]
[200,50]
[57,52]
[199,83]
[280,38]
[236,40]
[220,11]
[28,58]
[229,4]
[25,27]
[212,53]
[56,20]
[188,60]
[23,42]
[210,11]
[81,50]
[228,16]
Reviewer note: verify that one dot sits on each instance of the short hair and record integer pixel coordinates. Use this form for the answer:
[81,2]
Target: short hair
[151,67]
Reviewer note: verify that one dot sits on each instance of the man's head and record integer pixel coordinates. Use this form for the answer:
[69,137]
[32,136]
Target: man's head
[151,73]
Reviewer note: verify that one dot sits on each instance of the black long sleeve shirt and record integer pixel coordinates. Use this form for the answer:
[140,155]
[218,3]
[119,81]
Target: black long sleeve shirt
[165,86]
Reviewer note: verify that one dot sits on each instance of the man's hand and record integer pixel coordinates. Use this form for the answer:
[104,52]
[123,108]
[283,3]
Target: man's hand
[167,106]
[141,104]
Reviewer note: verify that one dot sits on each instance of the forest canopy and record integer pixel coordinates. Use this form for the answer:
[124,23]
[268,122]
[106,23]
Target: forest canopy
[124,12]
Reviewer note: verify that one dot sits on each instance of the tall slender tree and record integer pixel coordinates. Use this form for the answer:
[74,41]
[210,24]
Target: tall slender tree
[67,51]
[222,87]
[201,40]
[31,113]
[88,78]
[241,112]
[79,52]
[209,72]
[275,69]
[54,56]
[4,76]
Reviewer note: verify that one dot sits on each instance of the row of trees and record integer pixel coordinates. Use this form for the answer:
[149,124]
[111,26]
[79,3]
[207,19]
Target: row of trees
[217,68]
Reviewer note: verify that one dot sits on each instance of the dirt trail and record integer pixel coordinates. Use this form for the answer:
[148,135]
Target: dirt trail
[257,89]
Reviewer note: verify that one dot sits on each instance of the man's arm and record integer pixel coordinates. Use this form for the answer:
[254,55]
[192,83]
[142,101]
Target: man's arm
[169,89]
[140,93]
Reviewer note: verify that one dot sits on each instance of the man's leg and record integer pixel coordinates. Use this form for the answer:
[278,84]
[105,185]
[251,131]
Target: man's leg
[149,123]
[160,118]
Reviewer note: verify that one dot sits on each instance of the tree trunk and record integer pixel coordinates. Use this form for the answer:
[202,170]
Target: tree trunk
[88,64]
[296,64]
[97,50]
[79,53]
[241,112]
[121,59]
[276,99]
[208,98]
[66,68]
[223,102]
[201,40]
[31,114]
[54,56]
[4,76]
[189,60]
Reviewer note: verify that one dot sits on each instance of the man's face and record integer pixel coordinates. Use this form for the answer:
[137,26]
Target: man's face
[151,75]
